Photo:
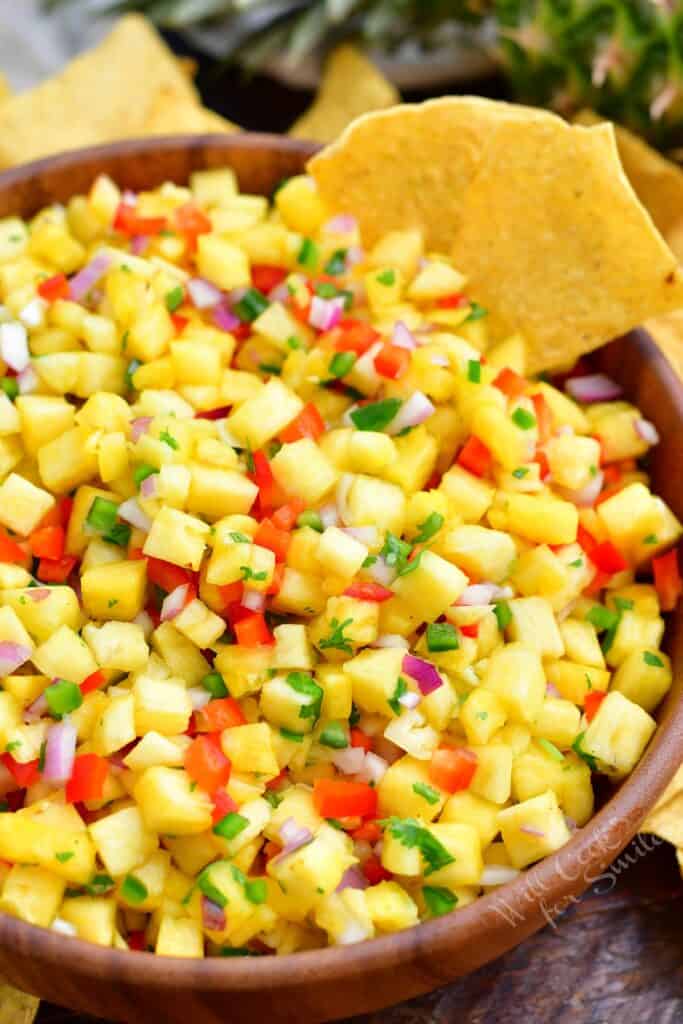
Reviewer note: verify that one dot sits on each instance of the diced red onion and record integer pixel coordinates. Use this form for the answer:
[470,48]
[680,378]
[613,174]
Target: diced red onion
[174,602]
[140,426]
[565,612]
[410,699]
[12,656]
[329,515]
[374,768]
[551,690]
[293,836]
[149,486]
[129,198]
[423,672]
[354,256]
[203,294]
[280,293]
[342,224]
[646,431]
[139,244]
[254,600]
[353,878]
[350,760]
[343,487]
[391,640]
[498,874]
[131,512]
[199,697]
[14,345]
[36,710]
[412,413]
[38,594]
[33,313]
[403,337]
[530,830]
[213,916]
[224,318]
[60,751]
[382,573]
[586,496]
[325,313]
[477,595]
[27,380]
[81,283]
[365,534]
[595,387]
[565,430]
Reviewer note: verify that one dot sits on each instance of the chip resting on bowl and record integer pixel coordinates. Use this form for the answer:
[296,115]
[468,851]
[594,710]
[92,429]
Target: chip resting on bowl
[539,215]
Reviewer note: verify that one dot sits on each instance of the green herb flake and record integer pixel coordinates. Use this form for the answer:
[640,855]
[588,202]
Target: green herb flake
[501,610]
[429,528]
[10,387]
[442,636]
[439,900]
[142,471]
[334,735]
[602,618]
[394,701]
[174,298]
[293,343]
[520,472]
[62,697]
[387,278]
[307,687]
[249,574]
[411,834]
[231,825]
[650,539]
[64,855]
[251,305]
[524,419]
[474,371]
[169,440]
[215,684]
[377,415]
[584,755]
[293,737]
[576,564]
[476,312]
[341,364]
[428,793]
[133,890]
[551,750]
[337,263]
[102,515]
[99,885]
[336,641]
[652,659]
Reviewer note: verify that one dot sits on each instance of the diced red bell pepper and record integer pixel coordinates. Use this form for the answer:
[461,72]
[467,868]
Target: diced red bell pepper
[231,593]
[543,464]
[277,580]
[368,832]
[58,515]
[667,579]
[264,480]
[87,779]
[586,540]
[455,301]
[472,630]
[214,414]
[278,781]
[223,804]
[607,558]
[374,870]
[48,542]
[598,583]
[335,798]
[510,383]
[53,288]
[286,516]
[10,551]
[309,423]
[191,222]
[360,739]
[206,764]
[452,768]
[252,631]
[611,474]
[180,322]
[56,570]
[592,702]
[217,715]
[475,457]
[127,222]
[544,417]
[392,361]
[352,336]
[369,592]
[137,942]
[25,775]
[167,575]
[277,541]
[95,681]
[264,278]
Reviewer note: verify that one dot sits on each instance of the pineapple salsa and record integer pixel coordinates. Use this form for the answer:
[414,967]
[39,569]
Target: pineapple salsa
[316,615]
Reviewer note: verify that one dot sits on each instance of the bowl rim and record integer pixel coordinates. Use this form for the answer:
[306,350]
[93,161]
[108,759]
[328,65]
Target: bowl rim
[591,848]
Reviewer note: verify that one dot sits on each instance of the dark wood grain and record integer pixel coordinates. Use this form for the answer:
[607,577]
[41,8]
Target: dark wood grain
[338,982]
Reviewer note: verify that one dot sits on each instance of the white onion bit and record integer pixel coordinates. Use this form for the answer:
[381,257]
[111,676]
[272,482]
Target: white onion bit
[14,345]
[646,431]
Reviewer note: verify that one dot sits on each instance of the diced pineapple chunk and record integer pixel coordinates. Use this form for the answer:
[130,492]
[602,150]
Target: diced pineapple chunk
[177,538]
[533,829]
[170,803]
[431,588]
[123,841]
[22,504]
[481,553]
[618,734]
[534,625]
[261,417]
[644,676]
[515,674]
[302,469]
[406,790]
[117,645]
[115,591]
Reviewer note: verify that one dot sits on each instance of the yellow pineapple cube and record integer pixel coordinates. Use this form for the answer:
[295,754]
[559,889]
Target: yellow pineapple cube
[465,808]
[301,469]
[557,721]
[261,417]
[463,844]
[93,917]
[481,553]
[346,625]
[65,655]
[300,205]
[470,497]
[292,648]
[114,727]
[42,418]
[250,749]
[431,588]
[372,502]
[22,504]
[515,674]
[618,734]
[390,907]
[170,803]
[644,676]
[67,461]
[199,624]
[573,460]
[406,790]
[152,876]
[435,281]
[538,571]
[481,715]
[122,840]
[533,624]
[575,680]
[345,916]
[339,553]
[581,642]
[177,538]
[541,518]
[533,829]
[115,591]
[117,645]
[180,937]
[33,894]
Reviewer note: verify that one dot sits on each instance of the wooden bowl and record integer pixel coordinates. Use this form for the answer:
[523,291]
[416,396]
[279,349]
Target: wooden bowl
[332,983]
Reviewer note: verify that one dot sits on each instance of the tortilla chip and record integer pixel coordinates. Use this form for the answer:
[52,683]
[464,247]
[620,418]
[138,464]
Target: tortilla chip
[5,88]
[657,182]
[105,94]
[16,1007]
[538,214]
[667,821]
[168,116]
[351,85]
[667,331]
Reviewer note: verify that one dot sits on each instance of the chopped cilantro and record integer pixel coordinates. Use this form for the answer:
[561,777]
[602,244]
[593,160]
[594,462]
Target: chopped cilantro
[441,636]
[652,659]
[336,640]
[337,263]
[369,562]
[394,701]
[584,755]
[294,343]
[174,298]
[249,574]
[476,312]
[387,278]
[576,564]
[439,900]
[240,538]
[307,687]
[474,371]
[309,254]
[524,419]
[169,440]
[341,364]
[602,618]
[650,539]
[501,610]
[64,856]
[334,735]
[377,415]
[411,834]
[429,528]
[133,890]
[99,885]
[428,793]
[10,387]
[256,890]
[270,368]
[273,798]
[520,472]
[112,602]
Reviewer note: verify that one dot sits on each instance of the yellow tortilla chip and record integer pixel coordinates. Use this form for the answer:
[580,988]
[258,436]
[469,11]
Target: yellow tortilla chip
[351,85]
[168,116]
[537,213]
[657,182]
[17,1007]
[105,94]
[5,88]
[667,331]
[667,821]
